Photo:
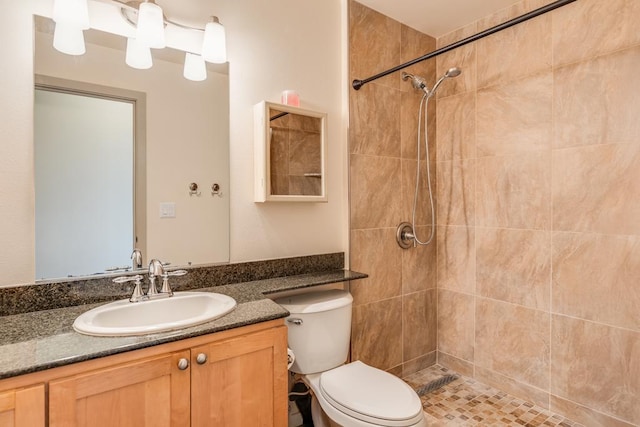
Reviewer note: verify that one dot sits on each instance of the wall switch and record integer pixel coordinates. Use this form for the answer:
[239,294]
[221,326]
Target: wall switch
[167,210]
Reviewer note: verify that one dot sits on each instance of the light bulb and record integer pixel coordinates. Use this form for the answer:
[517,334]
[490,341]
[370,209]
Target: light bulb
[68,39]
[194,67]
[137,55]
[150,27]
[214,46]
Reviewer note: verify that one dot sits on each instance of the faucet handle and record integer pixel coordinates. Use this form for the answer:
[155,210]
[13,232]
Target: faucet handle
[137,293]
[176,273]
[166,289]
[124,279]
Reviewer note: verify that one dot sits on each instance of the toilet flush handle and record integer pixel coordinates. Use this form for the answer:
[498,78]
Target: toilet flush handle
[294,320]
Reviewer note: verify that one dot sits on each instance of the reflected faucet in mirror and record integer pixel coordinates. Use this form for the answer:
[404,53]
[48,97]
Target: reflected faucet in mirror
[136,259]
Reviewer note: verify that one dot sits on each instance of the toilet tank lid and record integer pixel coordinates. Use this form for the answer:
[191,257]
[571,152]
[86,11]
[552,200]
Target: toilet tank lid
[317,301]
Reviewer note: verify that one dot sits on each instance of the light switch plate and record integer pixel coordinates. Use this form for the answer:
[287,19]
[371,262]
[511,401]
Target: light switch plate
[167,210]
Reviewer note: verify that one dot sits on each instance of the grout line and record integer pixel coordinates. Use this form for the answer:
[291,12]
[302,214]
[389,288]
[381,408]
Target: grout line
[551,185]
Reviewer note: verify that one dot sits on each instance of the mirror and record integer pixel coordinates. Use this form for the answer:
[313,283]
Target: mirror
[187,132]
[290,152]
[89,141]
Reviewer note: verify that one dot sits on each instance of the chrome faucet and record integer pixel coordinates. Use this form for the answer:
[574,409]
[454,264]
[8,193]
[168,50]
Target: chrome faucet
[155,269]
[136,259]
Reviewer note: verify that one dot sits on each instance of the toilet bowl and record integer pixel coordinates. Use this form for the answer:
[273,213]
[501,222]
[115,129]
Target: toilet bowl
[358,395]
[352,394]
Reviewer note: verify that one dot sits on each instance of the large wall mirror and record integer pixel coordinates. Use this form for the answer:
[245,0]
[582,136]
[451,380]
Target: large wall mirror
[116,150]
[290,154]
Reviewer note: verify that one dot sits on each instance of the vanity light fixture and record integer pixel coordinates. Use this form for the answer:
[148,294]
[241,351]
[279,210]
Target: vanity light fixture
[214,46]
[71,18]
[194,67]
[148,32]
[150,25]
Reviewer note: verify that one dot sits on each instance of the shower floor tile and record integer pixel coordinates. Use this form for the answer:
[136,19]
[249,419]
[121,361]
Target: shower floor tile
[467,402]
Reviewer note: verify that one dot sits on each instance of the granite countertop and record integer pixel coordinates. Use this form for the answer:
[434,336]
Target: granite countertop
[45,339]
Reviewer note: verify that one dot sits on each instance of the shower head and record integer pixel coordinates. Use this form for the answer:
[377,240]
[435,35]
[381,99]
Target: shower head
[419,83]
[451,72]
[416,81]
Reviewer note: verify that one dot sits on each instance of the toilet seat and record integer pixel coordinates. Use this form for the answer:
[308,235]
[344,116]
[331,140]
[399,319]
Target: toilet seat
[367,396]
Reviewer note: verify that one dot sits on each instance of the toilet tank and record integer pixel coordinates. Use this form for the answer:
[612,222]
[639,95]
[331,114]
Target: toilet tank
[319,329]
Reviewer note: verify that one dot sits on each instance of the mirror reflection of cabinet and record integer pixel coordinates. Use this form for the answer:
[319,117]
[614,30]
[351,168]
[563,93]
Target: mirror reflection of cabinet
[290,154]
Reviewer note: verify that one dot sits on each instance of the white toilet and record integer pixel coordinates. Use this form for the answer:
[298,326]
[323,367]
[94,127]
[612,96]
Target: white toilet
[351,395]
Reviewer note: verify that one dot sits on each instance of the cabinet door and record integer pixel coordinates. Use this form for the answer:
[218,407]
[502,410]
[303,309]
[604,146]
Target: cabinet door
[243,381]
[22,408]
[149,392]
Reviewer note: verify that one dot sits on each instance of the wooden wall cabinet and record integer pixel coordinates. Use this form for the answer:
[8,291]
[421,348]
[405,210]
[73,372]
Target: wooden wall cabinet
[232,378]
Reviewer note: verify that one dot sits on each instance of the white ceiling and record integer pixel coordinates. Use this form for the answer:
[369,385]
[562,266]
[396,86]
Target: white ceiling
[437,17]
[433,17]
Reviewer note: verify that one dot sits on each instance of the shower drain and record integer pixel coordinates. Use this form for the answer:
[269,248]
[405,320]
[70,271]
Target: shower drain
[436,384]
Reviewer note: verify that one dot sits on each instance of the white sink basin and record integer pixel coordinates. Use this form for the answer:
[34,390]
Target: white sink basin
[183,309]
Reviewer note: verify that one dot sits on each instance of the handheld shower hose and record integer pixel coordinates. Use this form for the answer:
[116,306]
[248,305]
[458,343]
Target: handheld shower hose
[419,84]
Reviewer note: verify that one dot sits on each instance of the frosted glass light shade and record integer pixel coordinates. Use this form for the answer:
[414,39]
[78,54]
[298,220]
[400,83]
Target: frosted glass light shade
[194,67]
[68,39]
[214,46]
[71,12]
[150,27]
[138,55]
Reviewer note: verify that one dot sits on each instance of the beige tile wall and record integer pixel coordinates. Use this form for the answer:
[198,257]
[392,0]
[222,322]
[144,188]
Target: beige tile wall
[395,317]
[538,176]
[538,206]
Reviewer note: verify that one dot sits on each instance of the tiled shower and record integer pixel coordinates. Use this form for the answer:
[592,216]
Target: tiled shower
[533,286]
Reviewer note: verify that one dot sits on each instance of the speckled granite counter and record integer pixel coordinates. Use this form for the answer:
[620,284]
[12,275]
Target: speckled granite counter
[41,340]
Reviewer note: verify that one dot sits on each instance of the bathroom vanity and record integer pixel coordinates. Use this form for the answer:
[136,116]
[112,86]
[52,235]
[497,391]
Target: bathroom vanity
[229,371]
[234,377]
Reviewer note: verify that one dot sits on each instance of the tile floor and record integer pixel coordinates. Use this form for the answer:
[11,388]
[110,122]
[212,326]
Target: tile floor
[467,402]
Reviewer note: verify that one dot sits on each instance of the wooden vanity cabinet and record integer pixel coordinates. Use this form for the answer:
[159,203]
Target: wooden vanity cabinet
[23,407]
[233,381]
[231,378]
[152,391]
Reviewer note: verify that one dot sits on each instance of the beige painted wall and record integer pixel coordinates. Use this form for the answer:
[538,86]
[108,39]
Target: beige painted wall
[271,47]
[274,47]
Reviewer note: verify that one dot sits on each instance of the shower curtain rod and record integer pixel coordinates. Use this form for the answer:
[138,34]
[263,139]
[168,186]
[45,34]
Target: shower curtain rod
[357,84]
